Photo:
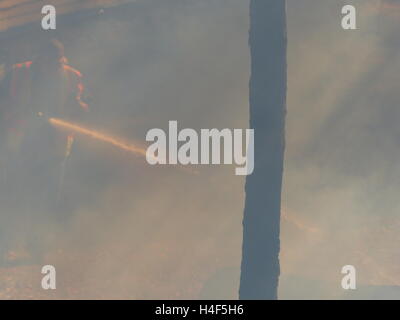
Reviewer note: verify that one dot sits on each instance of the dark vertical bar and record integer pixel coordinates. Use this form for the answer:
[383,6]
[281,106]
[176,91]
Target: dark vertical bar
[261,224]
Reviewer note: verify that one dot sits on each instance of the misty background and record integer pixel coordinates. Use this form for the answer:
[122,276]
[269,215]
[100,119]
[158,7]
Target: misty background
[341,178]
[142,232]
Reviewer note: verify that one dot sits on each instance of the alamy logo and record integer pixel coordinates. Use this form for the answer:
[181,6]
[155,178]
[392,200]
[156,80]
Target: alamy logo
[349,280]
[196,150]
[49,280]
[49,20]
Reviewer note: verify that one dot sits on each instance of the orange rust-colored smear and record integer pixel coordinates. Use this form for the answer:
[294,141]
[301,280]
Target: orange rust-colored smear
[98,136]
